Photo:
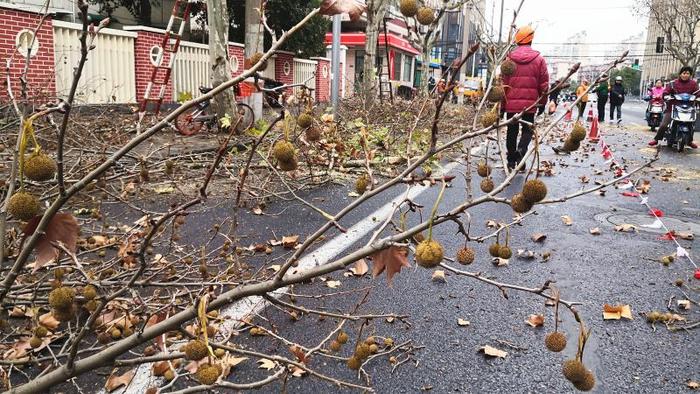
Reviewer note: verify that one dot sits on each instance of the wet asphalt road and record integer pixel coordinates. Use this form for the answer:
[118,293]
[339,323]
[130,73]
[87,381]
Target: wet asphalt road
[626,356]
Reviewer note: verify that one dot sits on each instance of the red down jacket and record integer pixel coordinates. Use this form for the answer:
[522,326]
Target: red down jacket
[530,80]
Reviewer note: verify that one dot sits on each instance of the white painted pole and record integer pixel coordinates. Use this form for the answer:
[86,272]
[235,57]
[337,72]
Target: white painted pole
[335,65]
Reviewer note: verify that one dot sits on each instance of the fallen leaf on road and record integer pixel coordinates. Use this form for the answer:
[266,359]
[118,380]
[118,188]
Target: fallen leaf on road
[687,235]
[289,242]
[693,385]
[615,312]
[275,267]
[491,223]
[493,352]
[538,237]
[644,186]
[463,323]
[499,262]
[299,353]
[584,179]
[164,189]
[535,320]
[257,210]
[266,364]
[391,259]
[360,268]
[63,228]
[297,372]
[684,304]
[526,254]
[626,228]
[566,219]
[47,320]
[333,284]
[438,276]
[114,381]
[595,231]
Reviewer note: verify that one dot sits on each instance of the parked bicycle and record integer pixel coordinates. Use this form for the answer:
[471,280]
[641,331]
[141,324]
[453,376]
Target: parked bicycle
[191,121]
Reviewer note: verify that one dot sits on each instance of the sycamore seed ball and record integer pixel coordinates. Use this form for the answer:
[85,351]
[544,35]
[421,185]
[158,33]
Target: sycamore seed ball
[408,8]
[574,370]
[465,256]
[40,331]
[361,184]
[555,341]
[169,375]
[520,204]
[495,249]
[305,120]
[255,59]
[208,374]
[425,16]
[283,151]
[487,185]
[61,298]
[578,133]
[288,165]
[313,134]
[354,363]
[39,167]
[23,206]
[534,191]
[496,94]
[429,254]
[504,252]
[362,351]
[89,292]
[343,337]
[219,352]
[196,350]
[587,383]
[35,342]
[489,118]
[483,169]
[63,315]
[373,348]
[335,345]
[508,67]
[115,333]
[570,145]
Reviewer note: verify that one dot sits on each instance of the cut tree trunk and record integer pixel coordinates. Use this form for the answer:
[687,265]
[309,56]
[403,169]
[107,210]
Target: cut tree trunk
[217,19]
[253,29]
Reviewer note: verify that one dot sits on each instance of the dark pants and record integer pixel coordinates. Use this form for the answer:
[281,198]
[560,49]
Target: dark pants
[581,108]
[663,127]
[516,150]
[612,110]
[601,109]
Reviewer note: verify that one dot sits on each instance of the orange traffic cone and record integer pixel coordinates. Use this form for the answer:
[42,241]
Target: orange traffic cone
[593,134]
[590,115]
[567,117]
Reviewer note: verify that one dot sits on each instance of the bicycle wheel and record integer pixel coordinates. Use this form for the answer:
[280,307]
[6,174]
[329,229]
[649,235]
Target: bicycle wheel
[187,124]
[247,117]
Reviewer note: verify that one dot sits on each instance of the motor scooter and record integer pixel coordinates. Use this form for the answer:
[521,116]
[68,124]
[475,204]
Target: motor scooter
[655,111]
[683,115]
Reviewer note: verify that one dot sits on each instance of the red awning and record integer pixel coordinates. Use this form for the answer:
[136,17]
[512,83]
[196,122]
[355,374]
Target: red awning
[358,39]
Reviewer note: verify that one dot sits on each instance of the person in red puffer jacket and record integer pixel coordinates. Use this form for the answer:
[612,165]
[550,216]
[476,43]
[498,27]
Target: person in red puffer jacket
[684,84]
[525,90]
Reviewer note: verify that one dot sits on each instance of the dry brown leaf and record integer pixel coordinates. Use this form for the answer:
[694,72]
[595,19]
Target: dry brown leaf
[290,241]
[535,320]
[47,320]
[63,229]
[463,323]
[644,186]
[538,237]
[567,220]
[391,259]
[684,304]
[360,268]
[438,276]
[491,223]
[687,235]
[266,364]
[116,381]
[595,231]
[299,353]
[160,367]
[354,8]
[493,352]
[615,312]
[626,228]
[19,311]
[333,284]
[296,371]
[693,385]
[257,210]
[584,179]
[526,254]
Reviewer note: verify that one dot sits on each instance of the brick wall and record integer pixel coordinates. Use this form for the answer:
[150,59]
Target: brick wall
[144,68]
[323,79]
[284,67]
[40,75]
[235,51]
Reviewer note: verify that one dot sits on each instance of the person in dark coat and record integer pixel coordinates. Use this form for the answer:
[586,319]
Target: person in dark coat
[683,84]
[525,90]
[617,97]
[602,90]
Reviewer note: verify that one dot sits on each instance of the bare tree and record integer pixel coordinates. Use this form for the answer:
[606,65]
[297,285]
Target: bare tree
[217,19]
[376,9]
[679,24]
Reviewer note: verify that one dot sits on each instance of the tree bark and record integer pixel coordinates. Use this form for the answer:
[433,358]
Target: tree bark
[376,9]
[253,29]
[217,19]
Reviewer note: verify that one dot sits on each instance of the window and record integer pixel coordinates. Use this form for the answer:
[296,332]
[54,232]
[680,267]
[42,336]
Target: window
[407,68]
[396,67]
[155,51]
[234,64]
[659,45]
[24,41]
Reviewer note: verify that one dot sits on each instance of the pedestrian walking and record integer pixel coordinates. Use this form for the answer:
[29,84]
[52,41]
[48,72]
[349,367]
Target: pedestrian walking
[683,84]
[602,90]
[581,93]
[617,98]
[554,92]
[526,90]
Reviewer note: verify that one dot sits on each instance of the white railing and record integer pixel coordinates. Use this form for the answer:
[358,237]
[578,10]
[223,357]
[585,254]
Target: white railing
[109,73]
[303,72]
[191,69]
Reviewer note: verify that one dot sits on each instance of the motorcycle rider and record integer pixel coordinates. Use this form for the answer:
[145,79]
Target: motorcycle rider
[655,92]
[683,84]
[617,97]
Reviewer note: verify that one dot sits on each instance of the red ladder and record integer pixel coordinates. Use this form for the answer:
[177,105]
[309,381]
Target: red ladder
[160,77]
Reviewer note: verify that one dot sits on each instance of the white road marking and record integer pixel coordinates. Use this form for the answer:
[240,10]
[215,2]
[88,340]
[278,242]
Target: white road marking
[143,379]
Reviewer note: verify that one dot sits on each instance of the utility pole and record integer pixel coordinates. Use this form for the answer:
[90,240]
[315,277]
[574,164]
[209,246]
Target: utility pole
[335,65]
[500,24]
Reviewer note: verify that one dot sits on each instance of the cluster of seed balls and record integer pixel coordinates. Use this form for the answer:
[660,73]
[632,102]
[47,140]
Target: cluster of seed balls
[363,350]
[207,373]
[284,151]
[572,369]
[424,15]
[38,167]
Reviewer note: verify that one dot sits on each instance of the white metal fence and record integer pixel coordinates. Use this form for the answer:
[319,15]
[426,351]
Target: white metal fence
[191,69]
[109,73]
[303,72]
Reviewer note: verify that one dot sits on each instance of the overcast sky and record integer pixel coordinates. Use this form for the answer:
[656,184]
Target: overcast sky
[605,21]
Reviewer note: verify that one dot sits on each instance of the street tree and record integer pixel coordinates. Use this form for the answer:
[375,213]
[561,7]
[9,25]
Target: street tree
[679,25]
[219,61]
[376,10]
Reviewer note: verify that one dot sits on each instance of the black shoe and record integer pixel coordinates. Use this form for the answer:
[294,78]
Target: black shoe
[512,165]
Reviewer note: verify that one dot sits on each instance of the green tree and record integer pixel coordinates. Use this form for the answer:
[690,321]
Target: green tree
[631,79]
